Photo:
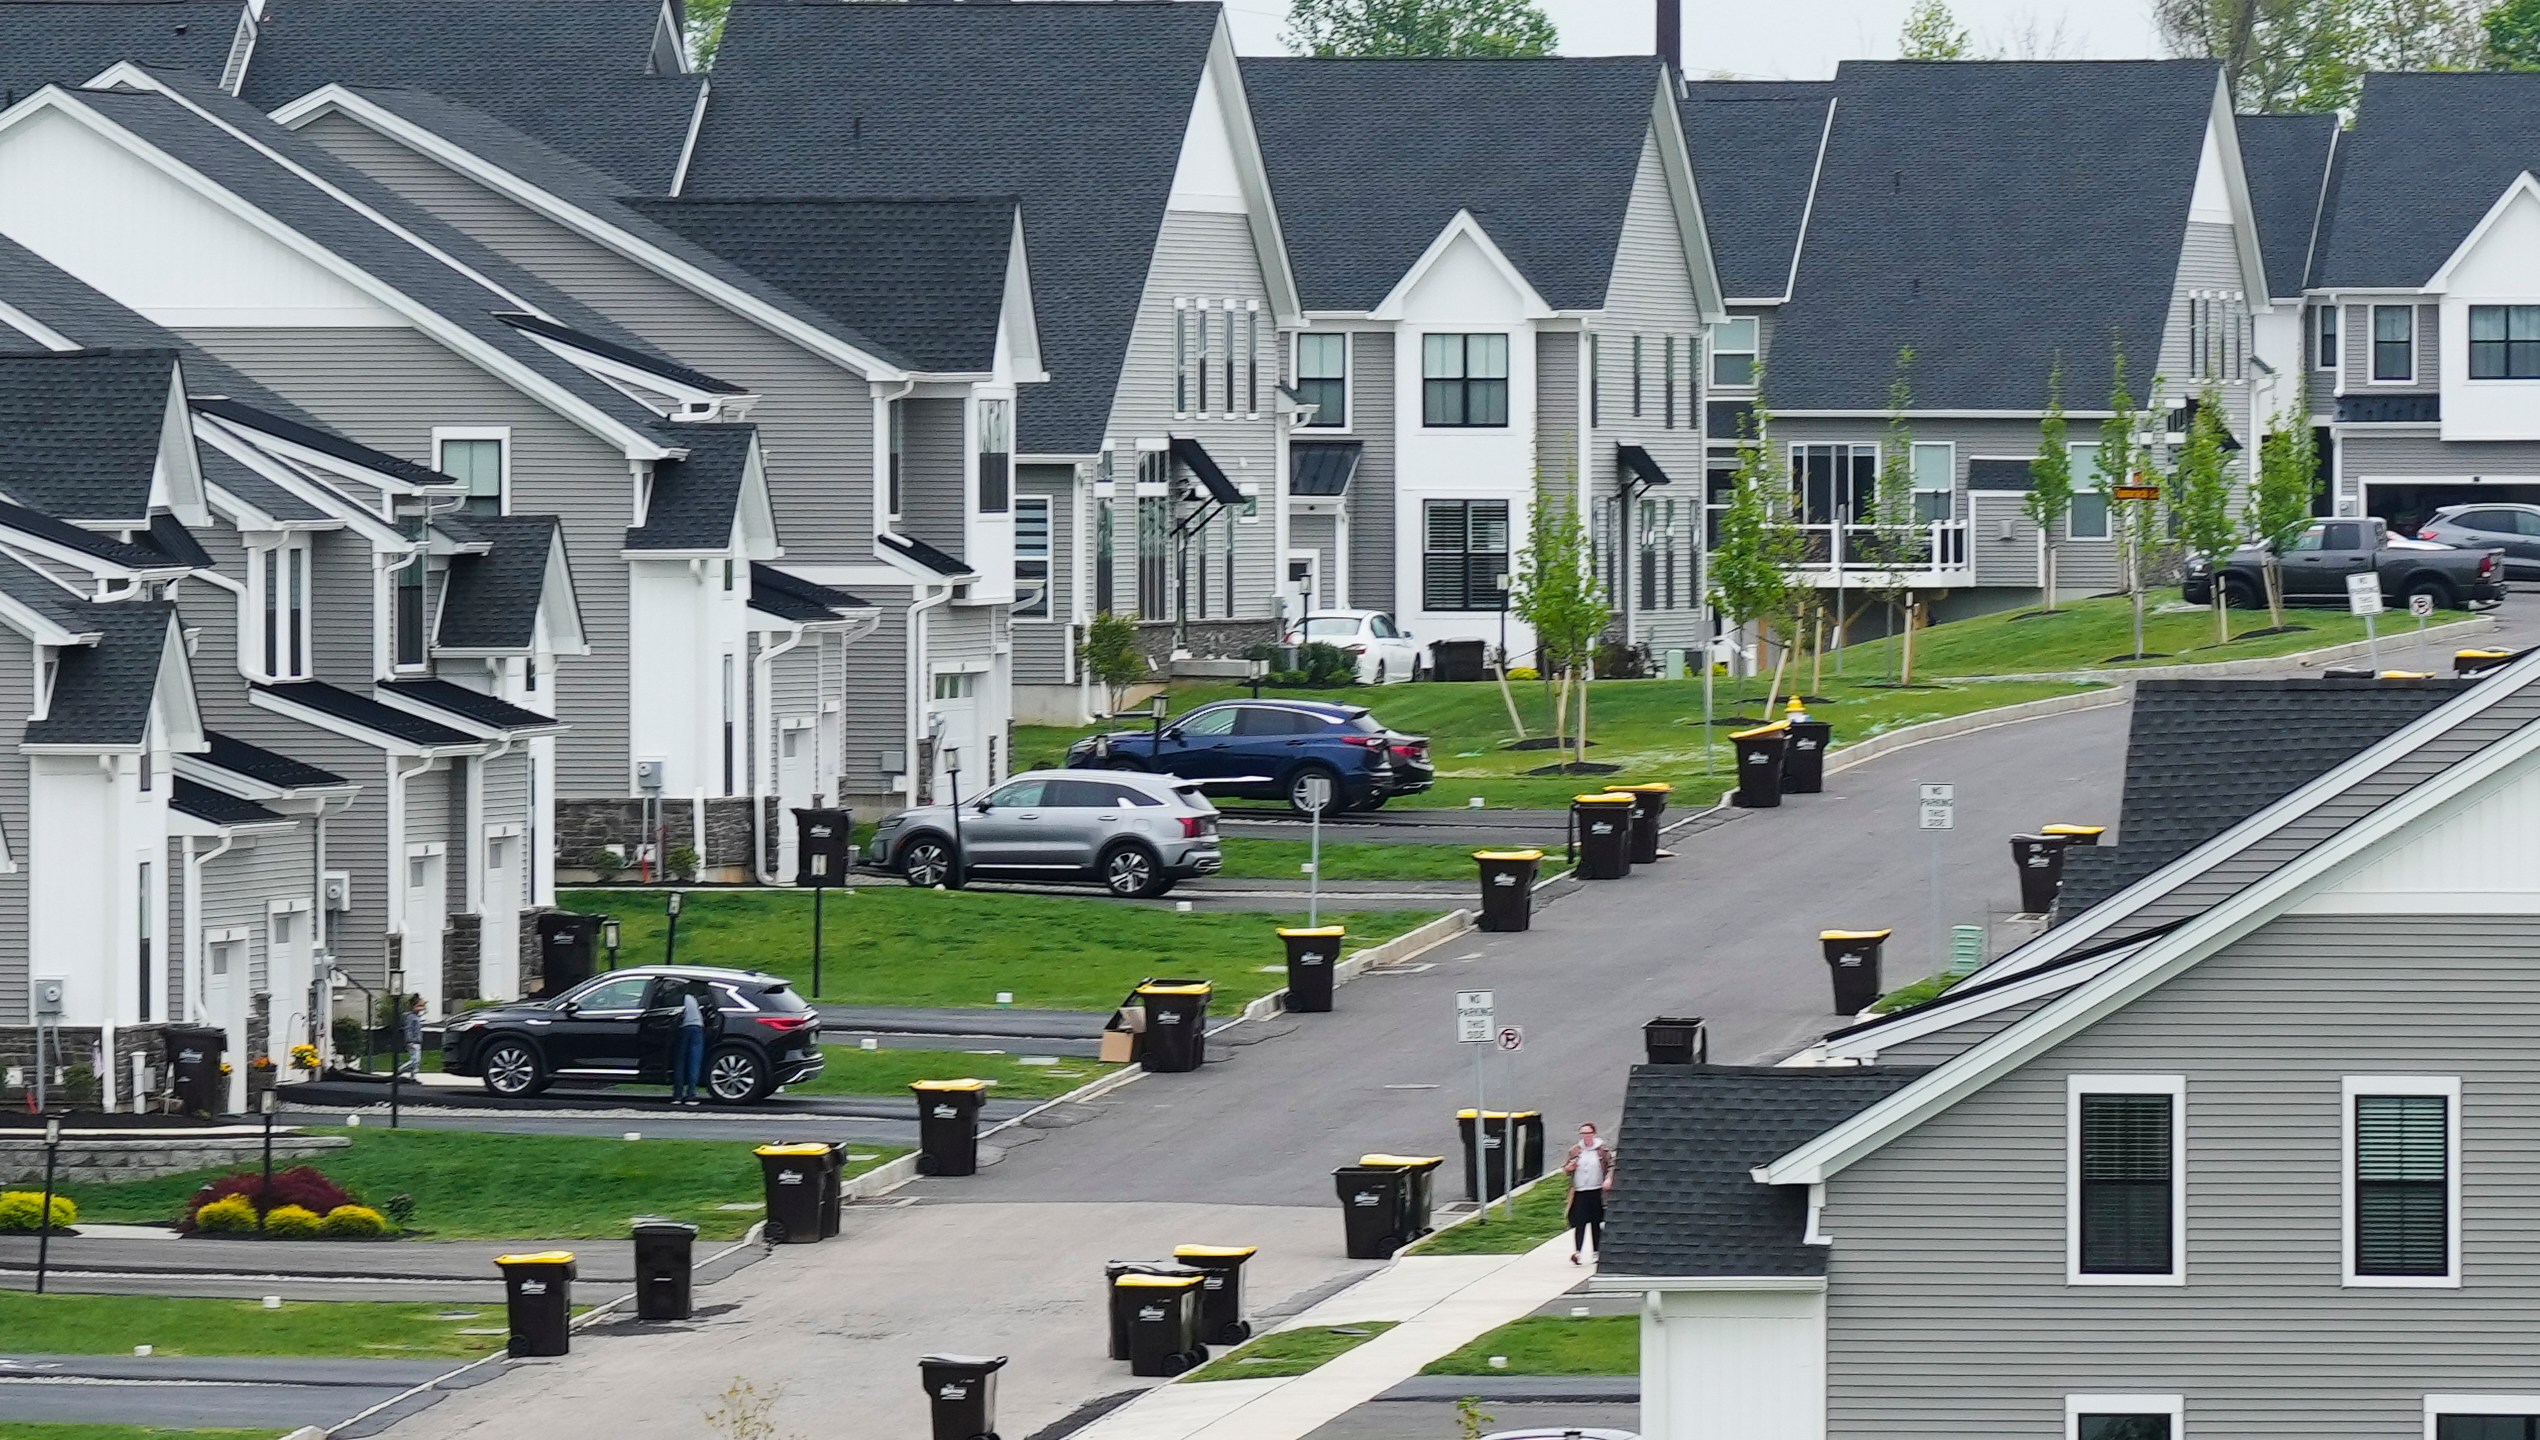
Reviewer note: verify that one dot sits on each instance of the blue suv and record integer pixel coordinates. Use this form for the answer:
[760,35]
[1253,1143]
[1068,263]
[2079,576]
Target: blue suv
[1277,748]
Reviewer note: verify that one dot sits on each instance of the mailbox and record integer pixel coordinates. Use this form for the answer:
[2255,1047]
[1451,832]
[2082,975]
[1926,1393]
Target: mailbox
[824,852]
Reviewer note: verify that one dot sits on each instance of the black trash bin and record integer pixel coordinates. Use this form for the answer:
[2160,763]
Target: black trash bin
[1761,753]
[1372,1205]
[1221,1291]
[1508,888]
[1853,958]
[1804,764]
[1459,659]
[823,851]
[1312,956]
[665,1252]
[2082,835]
[1160,1314]
[1177,1025]
[1419,1193]
[538,1298]
[948,1125]
[2479,662]
[1112,1270]
[1604,825]
[1676,1040]
[1499,1163]
[833,1193]
[961,1391]
[2040,859]
[194,1059]
[796,1177]
[568,950]
[1649,809]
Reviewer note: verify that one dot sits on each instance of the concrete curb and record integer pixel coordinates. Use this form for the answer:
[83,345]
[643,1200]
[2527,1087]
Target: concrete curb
[2450,630]
[1862,752]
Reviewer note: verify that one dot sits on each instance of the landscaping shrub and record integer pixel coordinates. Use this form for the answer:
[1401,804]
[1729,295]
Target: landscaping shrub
[292,1222]
[401,1209]
[299,1186]
[1618,661]
[352,1222]
[684,862]
[21,1212]
[232,1215]
[1328,666]
[349,1036]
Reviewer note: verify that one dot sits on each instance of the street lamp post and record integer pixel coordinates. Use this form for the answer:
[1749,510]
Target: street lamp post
[609,936]
[264,1187]
[396,1047]
[952,775]
[670,948]
[44,1217]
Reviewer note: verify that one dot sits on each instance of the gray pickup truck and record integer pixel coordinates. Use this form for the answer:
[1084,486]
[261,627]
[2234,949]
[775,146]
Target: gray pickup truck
[2318,561]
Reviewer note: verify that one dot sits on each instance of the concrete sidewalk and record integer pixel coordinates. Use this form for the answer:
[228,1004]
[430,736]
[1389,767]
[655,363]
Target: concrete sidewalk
[1436,1304]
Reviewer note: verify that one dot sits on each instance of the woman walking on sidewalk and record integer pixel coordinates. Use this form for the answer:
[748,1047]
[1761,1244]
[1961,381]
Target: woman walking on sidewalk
[1590,1167]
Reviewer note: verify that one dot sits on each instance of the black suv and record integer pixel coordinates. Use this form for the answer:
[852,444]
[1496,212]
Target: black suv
[623,1025]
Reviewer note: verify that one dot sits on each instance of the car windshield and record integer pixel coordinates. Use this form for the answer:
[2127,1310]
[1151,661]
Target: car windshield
[1331,627]
[1194,799]
[1363,723]
[782,1000]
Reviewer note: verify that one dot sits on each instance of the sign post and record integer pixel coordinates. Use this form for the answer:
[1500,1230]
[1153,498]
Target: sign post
[2422,607]
[2363,597]
[1318,798]
[1475,1020]
[1936,811]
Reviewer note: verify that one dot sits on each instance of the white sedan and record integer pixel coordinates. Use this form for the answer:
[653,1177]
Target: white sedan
[1386,654]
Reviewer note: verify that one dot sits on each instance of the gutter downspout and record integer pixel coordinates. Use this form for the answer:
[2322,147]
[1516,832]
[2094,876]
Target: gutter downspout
[920,685]
[397,851]
[762,773]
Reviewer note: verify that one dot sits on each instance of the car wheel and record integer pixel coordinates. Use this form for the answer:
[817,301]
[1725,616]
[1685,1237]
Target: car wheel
[737,1075]
[927,863]
[512,1067]
[1420,672]
[1132,872]
[1125,762]
[2439,588]
[1380,672]
[2241,594]
[1299,782]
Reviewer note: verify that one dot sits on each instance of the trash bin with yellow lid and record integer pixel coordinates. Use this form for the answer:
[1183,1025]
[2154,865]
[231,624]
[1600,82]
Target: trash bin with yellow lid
[795,1177]
[961,1395]
[2040,859]
[948,1125]
[1420,1196]
[1177,1025]
[538,1300]
[1221,1291]
[1373,1201]
[1313,954]
[2084,835]
[1804,760]
[1503,1149]
[1649,808]
[1852,956]
[1760,755]
[2479,661]
[1160,1315]
[1508,888]
[1603,824]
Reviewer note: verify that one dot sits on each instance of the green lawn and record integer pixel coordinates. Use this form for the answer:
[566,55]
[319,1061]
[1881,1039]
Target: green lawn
[485,1186]
[2090,634]
[114,1324]
[1539,1217]
[1285,860]
[23,1430]
[853,1071]
[1551,1345]
[1289,1352]
[889,944]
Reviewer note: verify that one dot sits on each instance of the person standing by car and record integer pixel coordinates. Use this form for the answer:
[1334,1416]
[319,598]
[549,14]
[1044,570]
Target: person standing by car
[1590,1167]
[688,1056]
[410,1030]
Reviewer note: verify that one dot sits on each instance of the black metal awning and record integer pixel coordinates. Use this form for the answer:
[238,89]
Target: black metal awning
[1322,469]
[1641,464]
[1195,458]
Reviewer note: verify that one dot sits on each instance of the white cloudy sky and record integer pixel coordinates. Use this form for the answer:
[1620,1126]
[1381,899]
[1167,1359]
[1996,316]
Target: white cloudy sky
[1799,39]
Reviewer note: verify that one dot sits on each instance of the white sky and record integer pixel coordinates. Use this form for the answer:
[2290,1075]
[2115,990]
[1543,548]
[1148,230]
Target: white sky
[1800,39]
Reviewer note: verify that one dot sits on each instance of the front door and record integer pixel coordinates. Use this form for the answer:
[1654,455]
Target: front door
[288,977]
[498,956]
[957,706]
[794,789]
[427,915]
[225,1004]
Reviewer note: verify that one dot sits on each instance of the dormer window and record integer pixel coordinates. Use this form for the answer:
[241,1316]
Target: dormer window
[278,579]
[996,456]
[407,643]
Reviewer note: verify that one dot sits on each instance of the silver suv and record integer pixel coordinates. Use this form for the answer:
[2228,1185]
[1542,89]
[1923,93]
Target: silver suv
[1136,835]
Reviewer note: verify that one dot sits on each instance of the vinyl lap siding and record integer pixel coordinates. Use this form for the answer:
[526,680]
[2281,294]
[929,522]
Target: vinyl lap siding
[1559,419]
[1950,1242]
[2366,456]
[506,789]
[1041,646]
[2354,336]
[1313,530]
[239,887]
[934,500]
[1371,493]
[17,700]
[876,697]
[1651,294]
[2002,540]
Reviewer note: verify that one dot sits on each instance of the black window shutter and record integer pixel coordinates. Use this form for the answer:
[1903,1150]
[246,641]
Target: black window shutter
[2126,1184]
[2402,1185]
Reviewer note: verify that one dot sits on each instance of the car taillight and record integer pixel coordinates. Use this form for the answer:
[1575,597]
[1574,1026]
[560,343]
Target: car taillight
[1410,752]
[2426,534]
[1194,826]
[786,1024]
[1356,649]
[1372,742]
[2486,563]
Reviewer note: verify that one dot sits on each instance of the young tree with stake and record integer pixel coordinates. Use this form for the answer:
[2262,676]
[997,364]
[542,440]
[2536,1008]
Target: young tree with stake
[1112,657]
[1897,537]
[2126,459]
[1748,581]
[2200,495]
[1557,593]
[2050,496]
[2280,501]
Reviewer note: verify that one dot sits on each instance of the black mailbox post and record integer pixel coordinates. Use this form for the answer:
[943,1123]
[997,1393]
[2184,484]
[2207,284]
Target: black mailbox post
[823,848]
[568,949]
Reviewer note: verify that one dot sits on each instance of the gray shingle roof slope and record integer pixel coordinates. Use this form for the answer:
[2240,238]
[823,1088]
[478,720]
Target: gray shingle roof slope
[490,601]
[79,430]
[2428,156]
[924,277]
[296,202]
[1372,158]
[102,692]
[254,489]
[325,442]
[366,712]
[657,365]
[573,73]
[1683,1203]
[1079,109]
[207,804]
[1990,215]
[2205,755]
[791,597]
[44,595]
[2286,160]
[696,499]
[1754,147]
[94,544]
[257,763]
[475,705]
[61,42]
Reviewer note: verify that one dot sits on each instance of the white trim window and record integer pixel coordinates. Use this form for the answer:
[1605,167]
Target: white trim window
[1464,381]
[2125,1166]
[478,456]
[1736,346]
[2124,1417]
[2088,519]
[2482,1417]
[898,460]
[1182,355]
[1032,557]
[1322,377]
[2394,345]
[278,647]
[2324,337]
[2402,1181]
[996,455]
[1935,465]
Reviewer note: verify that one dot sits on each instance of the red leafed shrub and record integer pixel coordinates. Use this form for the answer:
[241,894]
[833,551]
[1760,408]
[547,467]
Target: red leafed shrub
[300,1185]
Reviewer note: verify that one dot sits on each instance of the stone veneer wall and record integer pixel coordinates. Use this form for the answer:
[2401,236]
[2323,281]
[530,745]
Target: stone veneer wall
[74,1048]
[103,1160]
[733,824]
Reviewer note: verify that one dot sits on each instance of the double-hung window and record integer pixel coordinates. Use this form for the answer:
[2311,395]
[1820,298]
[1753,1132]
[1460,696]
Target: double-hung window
[1733,353]
[1031,557]
[281,576]
[2483,1417]
[2394,343]
[2088,519]
[2324,337]
[1465,381]
[1252,358]
[409,613]
[475,458]
[1935,480]
[1636,396]
[2403,1180]
[2126,1194]
[2504,342]
[1464,554]
[2123,1417]
[1669,407]
[996,456]
[1322,378]
[899,458]
[1182,355]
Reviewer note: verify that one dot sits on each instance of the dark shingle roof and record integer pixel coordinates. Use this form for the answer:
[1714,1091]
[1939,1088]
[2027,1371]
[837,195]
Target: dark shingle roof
[325,442]
[44,595]
[490,601]
[79,430]
[2428,157]
[2205,755]
[1372,158]
[926,278]
[1683,1202]
[214,807]
[696,500]
[367,713]
[61,42]
[471,705]
[103,548]
[254,489]
[1322,468]
[927,555]
[629,355]
[2286,160]
[102,692]
[257,763]
[1078,109]
[1990,215]
[791,597]
[1755,151]
[573,74]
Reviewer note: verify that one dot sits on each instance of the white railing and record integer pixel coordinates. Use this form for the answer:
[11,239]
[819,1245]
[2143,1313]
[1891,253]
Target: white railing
[1938,546]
